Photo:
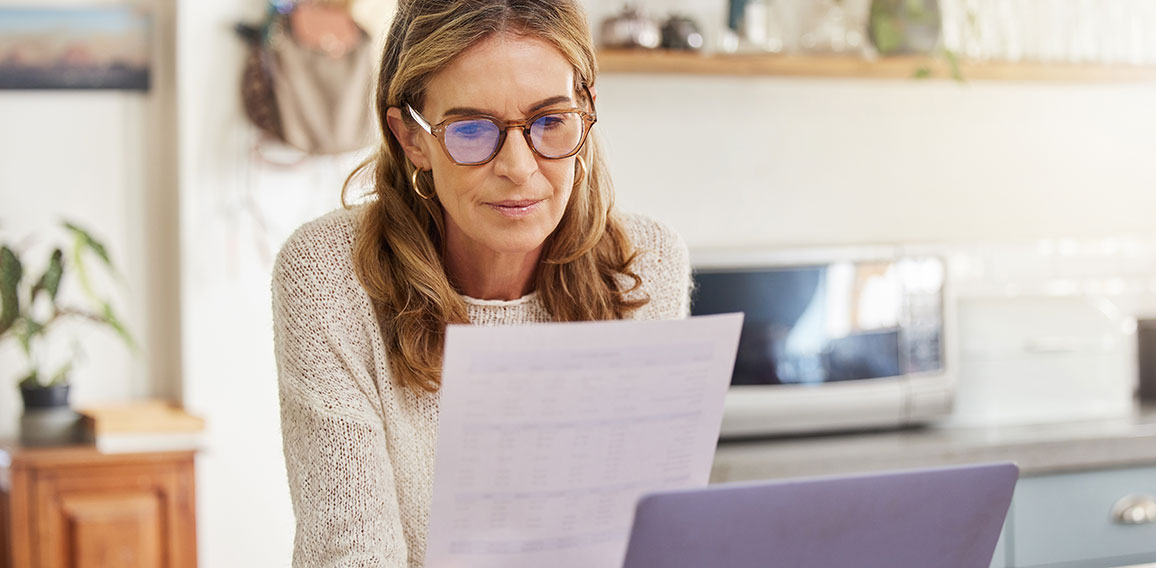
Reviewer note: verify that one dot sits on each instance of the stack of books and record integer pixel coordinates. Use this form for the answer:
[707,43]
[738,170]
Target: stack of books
[145,426]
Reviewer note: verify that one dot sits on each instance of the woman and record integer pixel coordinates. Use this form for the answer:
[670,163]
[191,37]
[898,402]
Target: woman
[491,205]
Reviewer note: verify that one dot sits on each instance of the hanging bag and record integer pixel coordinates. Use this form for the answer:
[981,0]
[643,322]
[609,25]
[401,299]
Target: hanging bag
[308,78]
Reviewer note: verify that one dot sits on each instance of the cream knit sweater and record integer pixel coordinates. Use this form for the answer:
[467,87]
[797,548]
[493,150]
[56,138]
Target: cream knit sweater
[359,449]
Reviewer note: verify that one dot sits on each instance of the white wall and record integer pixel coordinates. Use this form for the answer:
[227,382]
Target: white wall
[104,160]
[776,161]
[236,210]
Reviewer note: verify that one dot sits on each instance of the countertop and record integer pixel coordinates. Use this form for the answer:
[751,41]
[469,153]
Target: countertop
[1038,449]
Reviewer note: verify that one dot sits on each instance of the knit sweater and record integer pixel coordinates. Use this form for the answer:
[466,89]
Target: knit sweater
[359,448]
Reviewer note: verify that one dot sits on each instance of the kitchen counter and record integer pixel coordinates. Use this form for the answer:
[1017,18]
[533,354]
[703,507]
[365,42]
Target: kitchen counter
[1037,449]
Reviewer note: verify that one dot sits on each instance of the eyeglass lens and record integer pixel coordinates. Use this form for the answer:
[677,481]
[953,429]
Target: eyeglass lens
[552,136]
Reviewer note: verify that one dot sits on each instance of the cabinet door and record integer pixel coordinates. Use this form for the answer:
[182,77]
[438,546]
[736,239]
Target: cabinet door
[5,526]
[1067,520]
[112,529]
[999,557]
[122,516]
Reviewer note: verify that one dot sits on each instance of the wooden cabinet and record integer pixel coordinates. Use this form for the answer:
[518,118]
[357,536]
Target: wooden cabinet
[78,508]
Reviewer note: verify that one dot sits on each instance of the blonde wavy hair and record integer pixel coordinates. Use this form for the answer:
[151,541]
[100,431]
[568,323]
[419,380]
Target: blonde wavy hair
[399,244]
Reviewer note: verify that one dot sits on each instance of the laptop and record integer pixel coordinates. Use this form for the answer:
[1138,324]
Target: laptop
[941,518]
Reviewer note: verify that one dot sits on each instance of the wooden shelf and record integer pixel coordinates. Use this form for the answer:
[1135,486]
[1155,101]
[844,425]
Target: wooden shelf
[906,67]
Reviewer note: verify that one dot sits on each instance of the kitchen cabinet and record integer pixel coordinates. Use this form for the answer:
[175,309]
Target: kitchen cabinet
[999,557]
[1070,520]
[1072,475]
[78,508]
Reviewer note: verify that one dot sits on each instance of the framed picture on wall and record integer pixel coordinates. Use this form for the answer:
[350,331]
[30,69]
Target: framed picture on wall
[105,47]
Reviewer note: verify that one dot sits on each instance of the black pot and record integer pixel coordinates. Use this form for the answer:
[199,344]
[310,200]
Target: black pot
[681,32]
[45,397]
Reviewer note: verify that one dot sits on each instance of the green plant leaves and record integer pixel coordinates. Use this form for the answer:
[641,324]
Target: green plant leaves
[61,375]
[953,65]
[17,318]
[85,240]
[50,281]
[31,380]
[108,317]
[11,271]
[25,331]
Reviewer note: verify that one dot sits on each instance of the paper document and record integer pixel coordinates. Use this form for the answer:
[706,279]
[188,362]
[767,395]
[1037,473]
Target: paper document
[549,433]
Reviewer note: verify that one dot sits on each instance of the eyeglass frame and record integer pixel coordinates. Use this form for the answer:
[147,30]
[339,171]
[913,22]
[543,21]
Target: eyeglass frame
[438,130]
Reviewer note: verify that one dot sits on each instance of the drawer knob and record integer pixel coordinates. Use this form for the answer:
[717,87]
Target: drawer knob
[1135,510]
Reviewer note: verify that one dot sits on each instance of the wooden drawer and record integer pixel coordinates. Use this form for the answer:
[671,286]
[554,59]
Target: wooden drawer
[77,508]
[1066,520]
[112,516]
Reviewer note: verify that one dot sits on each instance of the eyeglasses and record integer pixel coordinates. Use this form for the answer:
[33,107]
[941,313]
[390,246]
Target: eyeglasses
[475,140]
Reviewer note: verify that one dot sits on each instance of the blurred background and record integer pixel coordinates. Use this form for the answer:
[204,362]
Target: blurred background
[785,124]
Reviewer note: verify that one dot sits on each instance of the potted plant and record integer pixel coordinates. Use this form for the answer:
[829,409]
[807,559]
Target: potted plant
[910,27]
[31,308]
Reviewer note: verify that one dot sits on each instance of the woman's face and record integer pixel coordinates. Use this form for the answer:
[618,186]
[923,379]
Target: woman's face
[511,204]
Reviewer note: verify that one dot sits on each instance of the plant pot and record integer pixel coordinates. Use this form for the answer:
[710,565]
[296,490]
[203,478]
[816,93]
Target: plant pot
[45,397]
[47,418]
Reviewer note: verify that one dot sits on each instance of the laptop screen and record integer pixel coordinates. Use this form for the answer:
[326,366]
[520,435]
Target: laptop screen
[947,517]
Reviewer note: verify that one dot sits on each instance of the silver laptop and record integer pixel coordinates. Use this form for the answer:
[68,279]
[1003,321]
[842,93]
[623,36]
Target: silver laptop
[934,518]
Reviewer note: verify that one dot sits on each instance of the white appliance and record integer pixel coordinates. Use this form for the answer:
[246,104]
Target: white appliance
[1043,359]
[833,339]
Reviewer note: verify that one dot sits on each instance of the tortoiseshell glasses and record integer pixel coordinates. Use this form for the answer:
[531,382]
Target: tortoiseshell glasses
[475,140]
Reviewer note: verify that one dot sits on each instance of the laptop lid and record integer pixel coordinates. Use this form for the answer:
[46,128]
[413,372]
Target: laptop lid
[943,518]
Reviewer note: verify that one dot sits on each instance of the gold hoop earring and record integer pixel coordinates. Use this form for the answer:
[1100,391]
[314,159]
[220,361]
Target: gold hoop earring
[582,166]
[416,189]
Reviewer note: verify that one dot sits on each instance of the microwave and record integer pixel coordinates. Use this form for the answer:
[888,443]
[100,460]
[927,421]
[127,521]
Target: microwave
[832,339]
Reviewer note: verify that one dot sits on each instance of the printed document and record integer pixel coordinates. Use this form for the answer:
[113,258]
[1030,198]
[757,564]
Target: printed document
[550,433]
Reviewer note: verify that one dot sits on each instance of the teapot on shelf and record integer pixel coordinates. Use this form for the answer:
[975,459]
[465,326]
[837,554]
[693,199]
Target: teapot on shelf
[629,30]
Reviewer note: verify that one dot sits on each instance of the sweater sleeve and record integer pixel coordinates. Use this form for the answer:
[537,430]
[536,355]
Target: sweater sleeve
[664,266]
[340,476]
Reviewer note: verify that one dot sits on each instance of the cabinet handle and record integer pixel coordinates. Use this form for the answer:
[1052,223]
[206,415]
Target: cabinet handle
[1051,344]
[1135,510]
